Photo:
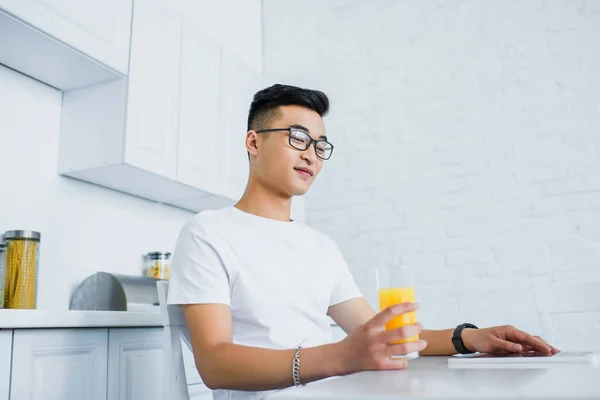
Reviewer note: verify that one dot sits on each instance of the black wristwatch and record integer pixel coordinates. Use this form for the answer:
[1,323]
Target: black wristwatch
[457,341]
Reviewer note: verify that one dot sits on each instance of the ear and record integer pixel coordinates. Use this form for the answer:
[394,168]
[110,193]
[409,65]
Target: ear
[252,142]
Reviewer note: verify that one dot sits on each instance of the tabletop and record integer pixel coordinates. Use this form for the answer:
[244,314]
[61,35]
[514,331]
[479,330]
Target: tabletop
[433,378]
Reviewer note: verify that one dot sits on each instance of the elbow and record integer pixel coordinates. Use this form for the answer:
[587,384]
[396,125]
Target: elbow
[212,376]
[210,379]
[211,369]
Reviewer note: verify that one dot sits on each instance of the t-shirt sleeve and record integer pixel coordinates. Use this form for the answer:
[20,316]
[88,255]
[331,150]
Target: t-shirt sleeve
[344,288]
[198,272]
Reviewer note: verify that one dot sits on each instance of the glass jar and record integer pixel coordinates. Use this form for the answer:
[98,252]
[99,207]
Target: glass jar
[2,272]
[157,265]
[22,262]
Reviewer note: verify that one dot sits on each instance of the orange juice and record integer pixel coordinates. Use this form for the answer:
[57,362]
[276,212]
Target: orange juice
[389,297]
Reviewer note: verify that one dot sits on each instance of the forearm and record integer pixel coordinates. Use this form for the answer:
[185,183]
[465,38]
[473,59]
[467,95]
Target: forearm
[439,343]
[236,367]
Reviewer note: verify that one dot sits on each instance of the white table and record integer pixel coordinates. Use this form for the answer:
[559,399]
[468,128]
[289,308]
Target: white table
[432,378]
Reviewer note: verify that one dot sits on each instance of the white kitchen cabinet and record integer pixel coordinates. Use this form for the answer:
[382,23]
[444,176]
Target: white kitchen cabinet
[199,109]
[100,28]
[59,364]
[240,83]
[125,135]
[158,134]
[5,361]
[135,364]
[153,96]
[173,131]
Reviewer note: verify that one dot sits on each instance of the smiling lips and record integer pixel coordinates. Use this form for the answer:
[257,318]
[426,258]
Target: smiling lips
[305,172]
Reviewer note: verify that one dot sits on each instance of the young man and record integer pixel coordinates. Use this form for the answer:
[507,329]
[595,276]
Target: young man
[256,288]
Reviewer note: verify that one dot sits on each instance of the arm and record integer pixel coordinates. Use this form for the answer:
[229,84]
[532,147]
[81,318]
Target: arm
[351,314]
[439,343]
[225,365]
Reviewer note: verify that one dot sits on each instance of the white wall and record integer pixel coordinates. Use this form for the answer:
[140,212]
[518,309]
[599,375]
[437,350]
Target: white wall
[85,229]
[466,138]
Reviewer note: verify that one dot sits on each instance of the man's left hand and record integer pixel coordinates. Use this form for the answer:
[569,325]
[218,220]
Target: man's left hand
[504,339]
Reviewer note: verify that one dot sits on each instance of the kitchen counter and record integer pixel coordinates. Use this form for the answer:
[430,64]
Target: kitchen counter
[432,378]
[19,319]
[31,319]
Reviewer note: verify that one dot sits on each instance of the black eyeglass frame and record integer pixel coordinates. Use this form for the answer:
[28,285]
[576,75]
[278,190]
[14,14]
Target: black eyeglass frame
[290,130]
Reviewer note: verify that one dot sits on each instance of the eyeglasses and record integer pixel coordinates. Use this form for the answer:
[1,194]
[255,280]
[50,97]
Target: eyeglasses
[301,140]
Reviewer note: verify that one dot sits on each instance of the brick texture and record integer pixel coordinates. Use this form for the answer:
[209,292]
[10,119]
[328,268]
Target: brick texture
[466,136]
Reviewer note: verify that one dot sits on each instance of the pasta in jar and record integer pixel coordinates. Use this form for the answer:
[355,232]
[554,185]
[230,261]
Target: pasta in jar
[22,261]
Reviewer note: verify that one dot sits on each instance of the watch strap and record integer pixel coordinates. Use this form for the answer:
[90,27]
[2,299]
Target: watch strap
[457,341]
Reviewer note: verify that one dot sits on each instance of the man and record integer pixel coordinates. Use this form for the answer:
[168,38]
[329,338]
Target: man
[256,288]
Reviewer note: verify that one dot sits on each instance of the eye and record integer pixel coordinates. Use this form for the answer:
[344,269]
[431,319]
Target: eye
[323,148]
[299,137]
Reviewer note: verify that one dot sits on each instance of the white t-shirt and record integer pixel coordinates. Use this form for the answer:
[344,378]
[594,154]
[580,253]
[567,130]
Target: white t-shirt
[279,278]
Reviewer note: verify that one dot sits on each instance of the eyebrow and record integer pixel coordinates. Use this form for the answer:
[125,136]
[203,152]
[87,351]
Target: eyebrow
[301,127]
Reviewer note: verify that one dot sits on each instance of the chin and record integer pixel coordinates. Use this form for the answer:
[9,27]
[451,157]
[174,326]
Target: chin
[300,190]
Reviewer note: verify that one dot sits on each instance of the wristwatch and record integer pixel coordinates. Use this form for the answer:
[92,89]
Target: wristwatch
[457,341]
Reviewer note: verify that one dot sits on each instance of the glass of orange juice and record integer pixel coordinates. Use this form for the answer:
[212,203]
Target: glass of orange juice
[395,285]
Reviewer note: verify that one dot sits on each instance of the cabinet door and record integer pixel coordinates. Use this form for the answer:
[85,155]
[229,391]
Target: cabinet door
[135,364]
[5,360]
[153,100]
[240,83]
[199,110]
[101,28]
[59,364]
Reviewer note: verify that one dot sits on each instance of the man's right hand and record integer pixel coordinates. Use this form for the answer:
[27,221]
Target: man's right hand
[369,346]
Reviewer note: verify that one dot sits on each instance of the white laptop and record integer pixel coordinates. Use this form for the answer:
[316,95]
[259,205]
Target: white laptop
[518,358]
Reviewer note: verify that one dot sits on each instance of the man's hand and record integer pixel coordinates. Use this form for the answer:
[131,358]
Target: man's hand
[369,346]
[504,339]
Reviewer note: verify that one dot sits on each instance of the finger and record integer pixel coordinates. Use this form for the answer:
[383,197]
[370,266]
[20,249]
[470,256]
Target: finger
[405,348]
[527,349]
[394,363]
[554,349]
[516,336]
[392,311]
[403,332]
[499,345]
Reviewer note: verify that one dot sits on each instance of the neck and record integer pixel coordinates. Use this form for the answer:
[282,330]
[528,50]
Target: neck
[260,200]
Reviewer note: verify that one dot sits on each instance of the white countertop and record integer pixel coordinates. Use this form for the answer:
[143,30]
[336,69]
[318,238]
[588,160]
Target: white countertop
[432,378]
[31,319]
[13,319]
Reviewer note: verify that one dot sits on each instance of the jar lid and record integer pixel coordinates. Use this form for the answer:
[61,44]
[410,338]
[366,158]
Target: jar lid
[157,255]
[22,234]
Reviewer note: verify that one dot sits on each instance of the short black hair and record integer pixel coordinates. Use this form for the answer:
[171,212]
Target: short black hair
[266,102]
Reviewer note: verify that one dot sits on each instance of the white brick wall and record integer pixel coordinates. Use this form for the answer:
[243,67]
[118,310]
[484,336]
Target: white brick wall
[466,138]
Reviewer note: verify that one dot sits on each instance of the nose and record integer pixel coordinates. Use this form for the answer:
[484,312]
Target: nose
[309,155]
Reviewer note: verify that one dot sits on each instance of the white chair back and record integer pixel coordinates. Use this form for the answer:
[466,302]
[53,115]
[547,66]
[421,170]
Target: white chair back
[569,313]
[175,386]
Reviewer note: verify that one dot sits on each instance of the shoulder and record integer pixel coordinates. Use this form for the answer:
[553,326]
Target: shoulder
[206,224]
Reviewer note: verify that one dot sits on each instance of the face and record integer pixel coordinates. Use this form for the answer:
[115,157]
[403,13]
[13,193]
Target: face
[275,163]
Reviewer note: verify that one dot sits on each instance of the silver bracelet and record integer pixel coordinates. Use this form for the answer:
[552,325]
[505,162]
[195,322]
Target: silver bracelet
[296,368]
